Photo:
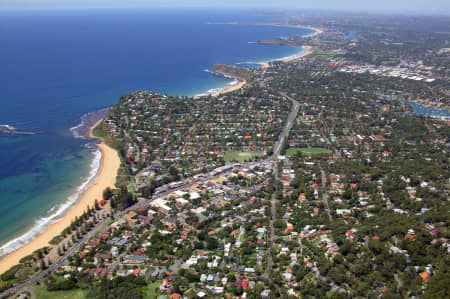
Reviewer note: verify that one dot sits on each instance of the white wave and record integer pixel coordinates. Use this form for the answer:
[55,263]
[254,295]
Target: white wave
[43,223]
[304,50]
[233,82]
[8,127]
[75,129]
[200,95]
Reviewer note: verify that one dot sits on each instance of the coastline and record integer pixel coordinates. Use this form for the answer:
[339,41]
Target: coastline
[232,88]
[316,29]
[106,177]
[266,64]
[310,49]
[302,54]
[106,174]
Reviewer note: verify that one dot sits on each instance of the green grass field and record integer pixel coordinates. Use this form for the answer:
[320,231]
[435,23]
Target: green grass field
[99,132]
[241,156]
[41,293]
[151,291]
[308,151]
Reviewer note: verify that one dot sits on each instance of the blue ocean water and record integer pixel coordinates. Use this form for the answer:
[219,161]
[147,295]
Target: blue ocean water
[58,65]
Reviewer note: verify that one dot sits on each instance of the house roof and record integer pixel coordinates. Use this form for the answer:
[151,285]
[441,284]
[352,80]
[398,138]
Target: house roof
[425,276]
[245,284]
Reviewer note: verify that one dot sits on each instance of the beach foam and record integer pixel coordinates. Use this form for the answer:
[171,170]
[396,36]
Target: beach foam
[55,213]
[76,130]
[86,121]
[8,127]
[218,89]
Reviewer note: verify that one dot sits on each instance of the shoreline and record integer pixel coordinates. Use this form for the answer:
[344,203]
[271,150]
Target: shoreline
[302,54]
[106,177]
[110,163]
[232,88]
[266,64]
[316,29]
[309,49]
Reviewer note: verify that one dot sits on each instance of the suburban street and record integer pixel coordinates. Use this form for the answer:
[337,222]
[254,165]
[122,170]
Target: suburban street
[325,193]
[97,228]
[276,153]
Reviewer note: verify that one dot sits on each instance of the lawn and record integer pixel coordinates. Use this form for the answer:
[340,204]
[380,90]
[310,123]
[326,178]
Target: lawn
[151,292]
[241,156]
[41,293]
[98,131]
[308,151]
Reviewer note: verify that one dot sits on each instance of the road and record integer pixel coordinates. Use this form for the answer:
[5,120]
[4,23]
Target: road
[99,226]
[58,263]
[325,193]
[276,153]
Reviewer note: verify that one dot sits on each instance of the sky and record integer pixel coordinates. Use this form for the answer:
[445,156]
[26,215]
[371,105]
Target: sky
[418,6]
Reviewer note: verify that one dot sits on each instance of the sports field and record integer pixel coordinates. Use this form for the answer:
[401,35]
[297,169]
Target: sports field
[241,156]
[308,151]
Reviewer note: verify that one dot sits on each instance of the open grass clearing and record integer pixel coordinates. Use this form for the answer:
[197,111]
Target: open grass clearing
[151,291]
[308,151]
[241,156]
[41,292]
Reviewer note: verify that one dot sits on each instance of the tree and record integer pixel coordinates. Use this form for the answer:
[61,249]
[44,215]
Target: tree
[280,224]
[107,194]
[212,244]
[439,286]
[42,265]
[173,171]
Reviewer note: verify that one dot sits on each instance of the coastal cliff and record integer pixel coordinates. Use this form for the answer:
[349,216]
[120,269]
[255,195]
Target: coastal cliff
[240,73]
[292,41]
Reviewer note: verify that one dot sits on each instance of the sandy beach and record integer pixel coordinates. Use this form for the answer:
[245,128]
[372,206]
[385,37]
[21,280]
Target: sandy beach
[106,177]
[309,50]
[264,64]
[317,30]
[230,89]
[301,55]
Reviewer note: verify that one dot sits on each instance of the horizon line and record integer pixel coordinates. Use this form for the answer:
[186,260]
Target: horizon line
[261,9]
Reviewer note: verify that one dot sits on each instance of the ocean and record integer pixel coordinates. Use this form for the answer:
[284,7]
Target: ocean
[56,66]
